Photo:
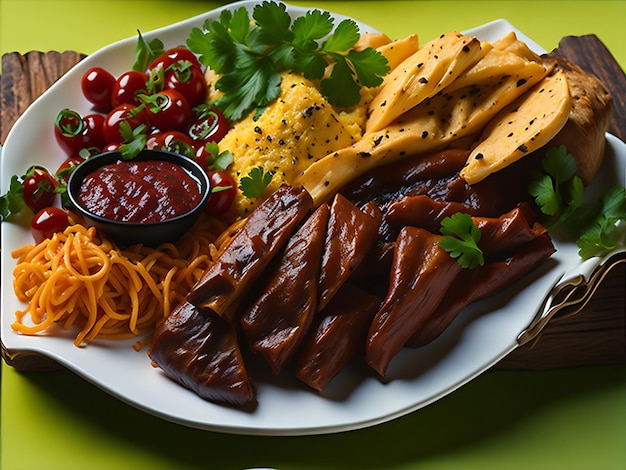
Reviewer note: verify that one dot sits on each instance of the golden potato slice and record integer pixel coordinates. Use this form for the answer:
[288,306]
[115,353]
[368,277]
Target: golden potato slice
[522,127]
[431,125]
[374,40]
[494,61]
[422,75]
[399,50]
[589,118]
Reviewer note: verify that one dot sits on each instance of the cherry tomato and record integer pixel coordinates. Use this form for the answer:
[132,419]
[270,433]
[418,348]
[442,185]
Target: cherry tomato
[172,141]
[47,222]
[173,55]
[133,115]
[74,133]
[209,125]
[204,157]
[112,147]
[223,191]
[168,110]
[65,169]
[187,80]
[126,88]
[97,85]
[39,186]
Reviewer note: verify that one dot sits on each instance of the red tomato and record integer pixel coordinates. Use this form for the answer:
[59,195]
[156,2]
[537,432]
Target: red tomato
[47,222]
[74,133]
[65,169]
[127,86]
[97,85]
[203,157]
[172,56]
[168,110]
[112,147]
[210,125]
[189,81]
[223,191]
[39,186]
[129,113]
[172,141]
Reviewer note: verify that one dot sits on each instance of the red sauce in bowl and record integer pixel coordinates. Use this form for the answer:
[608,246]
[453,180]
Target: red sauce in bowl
[139,191]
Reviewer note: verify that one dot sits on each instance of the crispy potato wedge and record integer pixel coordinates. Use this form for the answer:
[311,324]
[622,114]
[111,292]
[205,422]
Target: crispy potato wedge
[434,124]
[521,128]
[399,50]
[421,76]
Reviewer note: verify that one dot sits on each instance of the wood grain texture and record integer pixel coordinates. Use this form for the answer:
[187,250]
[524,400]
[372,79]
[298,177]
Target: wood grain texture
[25,78]
[596,335]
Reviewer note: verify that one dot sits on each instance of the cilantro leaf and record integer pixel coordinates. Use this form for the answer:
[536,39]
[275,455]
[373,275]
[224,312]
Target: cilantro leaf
[546,196]
[274,22]
[146,52]
[340,87]
[12,202]
[607,228]
[461,237]
[255,182]
[557,190]
[345,36]
[248,55]
[311,27]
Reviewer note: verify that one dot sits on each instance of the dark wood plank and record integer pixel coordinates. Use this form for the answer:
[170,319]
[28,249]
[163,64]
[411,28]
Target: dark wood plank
[25,78]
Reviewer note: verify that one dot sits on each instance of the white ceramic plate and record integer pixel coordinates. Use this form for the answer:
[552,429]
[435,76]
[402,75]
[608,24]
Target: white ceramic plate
[481,336]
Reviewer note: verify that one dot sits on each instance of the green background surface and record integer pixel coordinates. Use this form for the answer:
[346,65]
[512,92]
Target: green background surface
[560,419]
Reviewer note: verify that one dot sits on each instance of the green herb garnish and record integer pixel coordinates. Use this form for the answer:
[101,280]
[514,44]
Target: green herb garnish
[217,160]
[461,237]
[146,52]
[557,190]
[134,140]
[12,202]
[606,227]
[248,56]
[255,182]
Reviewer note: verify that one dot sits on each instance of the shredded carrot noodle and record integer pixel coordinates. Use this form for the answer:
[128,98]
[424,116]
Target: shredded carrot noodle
[78,278]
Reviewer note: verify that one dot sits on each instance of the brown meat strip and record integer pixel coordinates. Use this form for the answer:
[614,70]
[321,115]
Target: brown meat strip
[199,350]
[482,282]
[339,333]
[277,321]
[264,233]
[421,276]
[350,236]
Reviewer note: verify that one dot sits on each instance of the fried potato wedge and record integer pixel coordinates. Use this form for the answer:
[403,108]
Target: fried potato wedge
[422,75]
[433,124]
[399,50]
[521,128]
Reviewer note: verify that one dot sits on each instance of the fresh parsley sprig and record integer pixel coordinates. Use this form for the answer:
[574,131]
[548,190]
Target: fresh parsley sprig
[249,55]
[460,240]
[255,182]
[12,202]
[604,226]
[557,190]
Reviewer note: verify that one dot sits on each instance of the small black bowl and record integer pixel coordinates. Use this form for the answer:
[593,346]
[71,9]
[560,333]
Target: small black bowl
[130,233]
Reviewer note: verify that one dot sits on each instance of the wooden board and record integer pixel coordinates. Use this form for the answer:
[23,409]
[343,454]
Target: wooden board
[594,335]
